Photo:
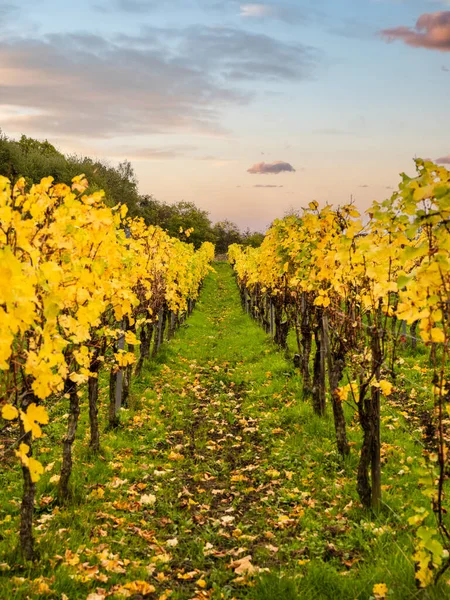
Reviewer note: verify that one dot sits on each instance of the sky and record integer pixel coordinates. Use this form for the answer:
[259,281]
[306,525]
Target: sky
[248,109]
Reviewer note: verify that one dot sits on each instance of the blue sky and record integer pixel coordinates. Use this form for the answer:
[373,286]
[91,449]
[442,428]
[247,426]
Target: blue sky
[196,92]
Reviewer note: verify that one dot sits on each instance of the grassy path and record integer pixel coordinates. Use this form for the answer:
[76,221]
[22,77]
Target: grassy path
[221,483]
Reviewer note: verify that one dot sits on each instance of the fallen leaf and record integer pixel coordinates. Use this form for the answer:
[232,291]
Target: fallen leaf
[175,456]
[273,473]
[227,519]
[137,587]
[148,499]
[172,543]
[243,565]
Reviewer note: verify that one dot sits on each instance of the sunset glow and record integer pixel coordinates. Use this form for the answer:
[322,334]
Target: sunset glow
[197,93]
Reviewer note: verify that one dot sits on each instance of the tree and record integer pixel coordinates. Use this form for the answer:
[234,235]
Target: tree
[30,145]
[253,239]
[154,212]
[226,233]
[185,215]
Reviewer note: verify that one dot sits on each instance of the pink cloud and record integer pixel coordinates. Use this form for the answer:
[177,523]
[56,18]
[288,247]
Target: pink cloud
[432,30]
[444,160]
[274,168]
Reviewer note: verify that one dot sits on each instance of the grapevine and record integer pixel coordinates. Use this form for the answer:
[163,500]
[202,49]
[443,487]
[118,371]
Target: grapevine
[353,282]
[79,280]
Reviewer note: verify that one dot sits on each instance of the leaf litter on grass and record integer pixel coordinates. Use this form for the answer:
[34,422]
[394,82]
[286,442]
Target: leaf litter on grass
[218,478]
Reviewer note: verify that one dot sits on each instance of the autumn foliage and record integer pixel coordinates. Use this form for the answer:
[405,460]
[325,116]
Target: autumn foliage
[351,283]
[79,282]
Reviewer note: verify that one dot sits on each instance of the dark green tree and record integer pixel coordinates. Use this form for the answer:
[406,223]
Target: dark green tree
[185,215]
[226,233]
[252,238]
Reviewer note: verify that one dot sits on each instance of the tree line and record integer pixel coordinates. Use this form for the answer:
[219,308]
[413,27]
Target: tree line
[34,159]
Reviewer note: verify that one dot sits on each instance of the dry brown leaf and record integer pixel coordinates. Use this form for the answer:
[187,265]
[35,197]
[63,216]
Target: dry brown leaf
[243,565]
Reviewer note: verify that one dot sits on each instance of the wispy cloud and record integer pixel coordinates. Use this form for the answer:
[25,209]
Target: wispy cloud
[432,30]
[85,85]
[147,6]
[287,12]
[161,81]
[7,10]
[240,55]
[256,10]
[267,186]
[274,168]
[146,153]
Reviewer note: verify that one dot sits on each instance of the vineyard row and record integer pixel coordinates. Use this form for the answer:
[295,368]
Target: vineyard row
[83,287]
[347,284]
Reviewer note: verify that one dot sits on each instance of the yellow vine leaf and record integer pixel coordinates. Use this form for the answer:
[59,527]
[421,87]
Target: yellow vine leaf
[9,412]
[79,183]
[380,591]
[386,387]
[22,452]
[34,466]
[125,358]
[36,469]
[437,335]
[130,338]
[424,574]
[79,378]
[31,419]
[123,211]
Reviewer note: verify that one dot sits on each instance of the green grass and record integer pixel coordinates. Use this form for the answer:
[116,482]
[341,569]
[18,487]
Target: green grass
[259,477]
